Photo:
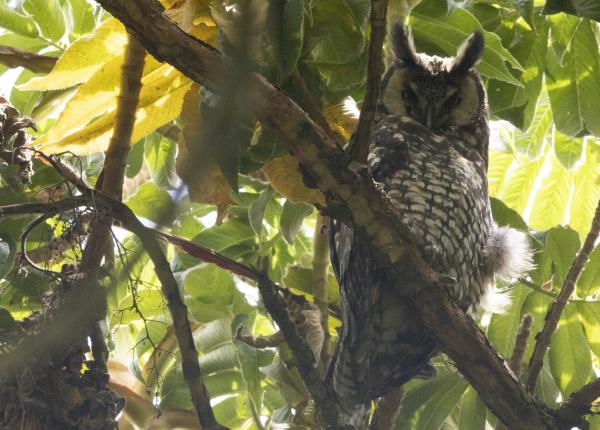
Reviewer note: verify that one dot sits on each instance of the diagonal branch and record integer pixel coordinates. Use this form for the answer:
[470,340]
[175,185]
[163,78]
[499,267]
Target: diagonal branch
[351,196]
[556,308]
[15,57]
[360,143]
[580,403]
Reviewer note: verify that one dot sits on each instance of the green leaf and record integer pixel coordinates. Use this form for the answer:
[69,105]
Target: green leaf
[586,191]
[450,34]
[256,211]
[589,281]
[225,235]
[248,362]
[562,244]
[211,293]
[518,184]
[84,21]
[503,328]
[135,159]
[292,216]
[517,104]
[24,101]
[550,202]
[213,334]
[503,215]
[427,404]
[582,8]
[48,16]
[152,203]
[286,32]
[568,150]
[7,321]
[562,29]
[525,9]
[7,254]
[300,279]
[159,154]
[472,411]
[532,141]
[537,305]
[13,21]
[589,313]
[570,358]
[573,88]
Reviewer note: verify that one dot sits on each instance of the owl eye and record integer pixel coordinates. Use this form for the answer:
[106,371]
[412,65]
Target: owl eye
[409,95]
[452,101]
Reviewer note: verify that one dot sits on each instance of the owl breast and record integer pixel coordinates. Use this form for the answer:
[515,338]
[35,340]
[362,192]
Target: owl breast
[440,187]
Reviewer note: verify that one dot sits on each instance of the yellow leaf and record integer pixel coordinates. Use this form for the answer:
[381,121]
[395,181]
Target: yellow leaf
[86,55]
[161,100]
[342,117]
[205,181]
[285,178]
[94,98]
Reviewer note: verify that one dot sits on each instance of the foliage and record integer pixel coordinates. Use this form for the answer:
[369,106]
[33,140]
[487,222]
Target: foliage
[541,67]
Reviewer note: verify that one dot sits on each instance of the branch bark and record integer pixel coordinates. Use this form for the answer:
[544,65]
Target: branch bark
[360,145]
[320,284]
[557,306]
[351,196]
[15,57]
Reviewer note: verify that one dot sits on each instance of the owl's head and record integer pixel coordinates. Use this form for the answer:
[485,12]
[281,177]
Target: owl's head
[437,92]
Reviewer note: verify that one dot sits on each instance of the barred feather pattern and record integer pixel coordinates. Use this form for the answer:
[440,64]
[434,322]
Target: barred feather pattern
[438,183]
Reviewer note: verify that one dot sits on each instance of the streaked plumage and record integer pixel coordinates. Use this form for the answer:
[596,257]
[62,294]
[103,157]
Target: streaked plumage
[429,151]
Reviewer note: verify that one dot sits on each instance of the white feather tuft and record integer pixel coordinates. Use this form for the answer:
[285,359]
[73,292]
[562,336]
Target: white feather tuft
[507,253]
[495,300]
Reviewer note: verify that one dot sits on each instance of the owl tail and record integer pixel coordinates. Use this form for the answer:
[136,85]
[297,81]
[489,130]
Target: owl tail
[507,255]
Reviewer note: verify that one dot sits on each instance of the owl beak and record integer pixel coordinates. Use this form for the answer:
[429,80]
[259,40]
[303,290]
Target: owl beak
[430,117]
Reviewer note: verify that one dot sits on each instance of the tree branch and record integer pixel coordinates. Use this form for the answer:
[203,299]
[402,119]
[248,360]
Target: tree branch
[99,241]
[320,284]
[557,306]
[360,143]
[387,410]
[15,57]
[579,403]
[351,196]
[307,365]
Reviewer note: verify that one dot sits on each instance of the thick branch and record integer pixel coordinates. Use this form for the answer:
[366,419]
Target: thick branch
[556,308]
[580,403]
[360,145]
[15,57]
[387,410]
[352,196]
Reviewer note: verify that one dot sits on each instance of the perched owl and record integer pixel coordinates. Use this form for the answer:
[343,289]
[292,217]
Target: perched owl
[429,153]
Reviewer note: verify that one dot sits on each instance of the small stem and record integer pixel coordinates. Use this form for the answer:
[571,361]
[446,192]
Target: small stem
[556,308]
[360,146]
[320,265]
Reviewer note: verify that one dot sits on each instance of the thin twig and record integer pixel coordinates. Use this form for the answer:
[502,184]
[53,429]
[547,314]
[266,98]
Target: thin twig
[302,352]
[516,360]
[15,57]
[320,284]
[360,143]
[553,315]
[313,109]
[260,342]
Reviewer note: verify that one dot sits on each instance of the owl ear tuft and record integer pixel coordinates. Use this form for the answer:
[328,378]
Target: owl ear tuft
[404,46]
[468,54]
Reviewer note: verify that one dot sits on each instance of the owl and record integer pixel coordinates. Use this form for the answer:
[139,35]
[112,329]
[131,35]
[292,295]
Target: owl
[428,151]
